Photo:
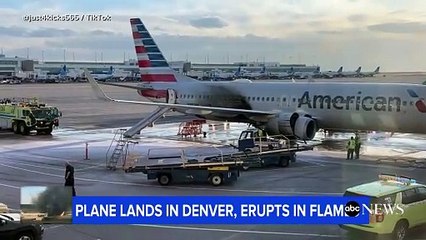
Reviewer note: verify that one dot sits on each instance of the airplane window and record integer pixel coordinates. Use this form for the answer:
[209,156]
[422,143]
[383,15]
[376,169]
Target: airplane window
[263,98]
[294,99]
[404,103]
[267,99]
[199,96]
[258,98]
[284,99]
[272,99]
[248,98]
[278,99]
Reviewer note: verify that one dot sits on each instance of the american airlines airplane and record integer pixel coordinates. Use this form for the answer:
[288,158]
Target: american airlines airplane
[294,109]
[332,74]
[355,73]
[370,74]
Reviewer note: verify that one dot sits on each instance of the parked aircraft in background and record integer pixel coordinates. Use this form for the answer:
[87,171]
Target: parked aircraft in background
[370,74]
[293,109]
[332,74]
[103,75]
[305,75]
[355,73]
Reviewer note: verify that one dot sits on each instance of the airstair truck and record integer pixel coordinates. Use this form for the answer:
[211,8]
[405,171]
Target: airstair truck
[26,115]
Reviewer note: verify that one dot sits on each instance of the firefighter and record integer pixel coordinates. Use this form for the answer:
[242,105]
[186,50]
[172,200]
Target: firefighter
[69,177]
[357,145]
[350,147]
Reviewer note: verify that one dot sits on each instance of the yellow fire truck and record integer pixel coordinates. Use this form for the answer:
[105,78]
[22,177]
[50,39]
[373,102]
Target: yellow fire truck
[28,114]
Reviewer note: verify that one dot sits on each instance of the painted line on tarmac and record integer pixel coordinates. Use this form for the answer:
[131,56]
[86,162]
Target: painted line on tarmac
[52,227]
[240,231]
[174,187]
[39,166]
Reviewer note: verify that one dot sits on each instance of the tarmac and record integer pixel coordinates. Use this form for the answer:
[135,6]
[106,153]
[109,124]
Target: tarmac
[39,161]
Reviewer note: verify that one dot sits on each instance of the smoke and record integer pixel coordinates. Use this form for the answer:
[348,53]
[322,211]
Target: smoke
[55,200]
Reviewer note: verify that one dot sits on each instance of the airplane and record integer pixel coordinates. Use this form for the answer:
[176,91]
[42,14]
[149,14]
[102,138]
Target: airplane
[104,75]
[242,73]
[370,74]
[355,73]
[332,74]
[294,109]
[304,75]
[281,75]
[219,74]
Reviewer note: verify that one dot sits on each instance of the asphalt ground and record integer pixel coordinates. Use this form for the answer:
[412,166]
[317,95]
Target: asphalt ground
[39,160]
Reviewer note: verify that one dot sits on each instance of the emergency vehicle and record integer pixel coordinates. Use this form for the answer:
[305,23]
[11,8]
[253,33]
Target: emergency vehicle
[28,114]
[397,191]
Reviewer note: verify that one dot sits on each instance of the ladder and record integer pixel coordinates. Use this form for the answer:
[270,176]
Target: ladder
[119,152]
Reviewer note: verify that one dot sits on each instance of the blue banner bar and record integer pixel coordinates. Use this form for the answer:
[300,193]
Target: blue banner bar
[220,210]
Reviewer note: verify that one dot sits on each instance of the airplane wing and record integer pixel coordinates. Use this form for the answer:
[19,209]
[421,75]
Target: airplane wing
[124,86]
[190,109]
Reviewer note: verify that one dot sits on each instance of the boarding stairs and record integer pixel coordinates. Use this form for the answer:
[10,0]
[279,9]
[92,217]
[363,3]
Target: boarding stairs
[120,151]
[148,121]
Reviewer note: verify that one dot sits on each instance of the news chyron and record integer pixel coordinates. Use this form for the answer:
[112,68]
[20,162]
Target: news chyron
[46,204]
[227,210]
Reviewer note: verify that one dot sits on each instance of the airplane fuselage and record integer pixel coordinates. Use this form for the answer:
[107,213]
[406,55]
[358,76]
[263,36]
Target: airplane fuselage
[339,106]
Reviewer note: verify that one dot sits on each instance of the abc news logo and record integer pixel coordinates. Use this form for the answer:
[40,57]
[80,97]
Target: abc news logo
[353,209]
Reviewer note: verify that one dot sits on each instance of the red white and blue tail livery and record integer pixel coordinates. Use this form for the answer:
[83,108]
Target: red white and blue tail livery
[152,64]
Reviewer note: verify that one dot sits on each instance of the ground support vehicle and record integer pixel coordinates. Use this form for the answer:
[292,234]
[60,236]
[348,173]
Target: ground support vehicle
[25,115]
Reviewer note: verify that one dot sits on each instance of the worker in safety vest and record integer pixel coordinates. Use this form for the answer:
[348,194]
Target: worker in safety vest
[351,148]
[357,145]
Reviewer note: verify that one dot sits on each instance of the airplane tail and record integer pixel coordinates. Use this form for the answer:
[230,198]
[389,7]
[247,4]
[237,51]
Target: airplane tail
[238,72]
[63,70]
[377,70]
[340,69]
[358,70]
[153,67]
[111,70]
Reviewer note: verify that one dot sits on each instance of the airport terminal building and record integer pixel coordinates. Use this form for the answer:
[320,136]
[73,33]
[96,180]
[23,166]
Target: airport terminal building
[30,68]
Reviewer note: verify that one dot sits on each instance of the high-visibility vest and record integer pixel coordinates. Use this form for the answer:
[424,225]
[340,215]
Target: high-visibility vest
[351,144]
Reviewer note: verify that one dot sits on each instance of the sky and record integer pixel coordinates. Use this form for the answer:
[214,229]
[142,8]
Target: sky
[329,33]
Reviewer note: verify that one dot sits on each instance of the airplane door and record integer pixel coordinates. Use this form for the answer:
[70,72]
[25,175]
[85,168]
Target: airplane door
[171,96]
[284,103]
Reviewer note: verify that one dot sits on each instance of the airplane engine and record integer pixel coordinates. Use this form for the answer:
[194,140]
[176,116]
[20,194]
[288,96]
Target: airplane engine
[305,128]
[302,127]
